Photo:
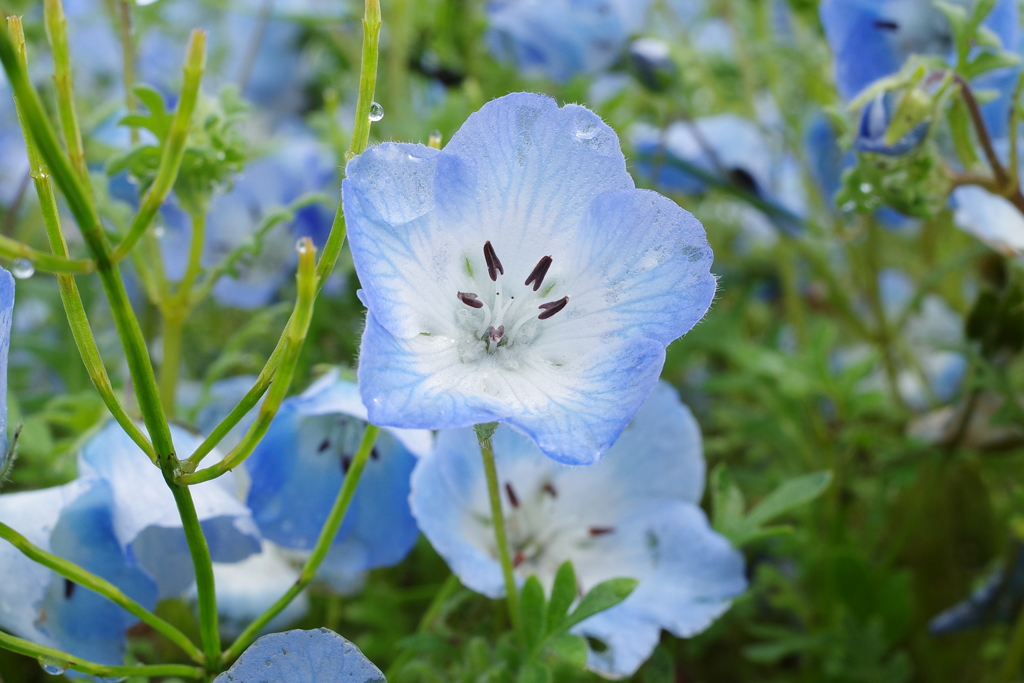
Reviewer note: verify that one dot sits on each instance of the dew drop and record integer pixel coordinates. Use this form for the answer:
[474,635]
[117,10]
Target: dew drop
[22,268]
[52,667]
[302,245]
[376,112]
[159,231]
[866,187]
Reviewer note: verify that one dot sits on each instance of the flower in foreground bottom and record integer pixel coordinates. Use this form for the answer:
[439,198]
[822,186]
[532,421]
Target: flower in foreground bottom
[635,514]
[320,656]
[518,276]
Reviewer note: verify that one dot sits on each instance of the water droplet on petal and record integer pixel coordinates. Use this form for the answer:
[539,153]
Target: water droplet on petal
[22,268]
[376,112]
[52,667]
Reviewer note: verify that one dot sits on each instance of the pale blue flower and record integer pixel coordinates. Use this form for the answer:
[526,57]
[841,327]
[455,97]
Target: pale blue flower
[990,217]
[298,468]
[6,316]
[75,522]
[997,600]
[145,517]
[635,514]
[562,38]
[319,656]
[517,276]
[872,39]
[14,170]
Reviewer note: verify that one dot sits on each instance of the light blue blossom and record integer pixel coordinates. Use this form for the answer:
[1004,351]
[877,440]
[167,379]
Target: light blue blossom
[145,518]
[634,514]
[562,38]
[319,656]
[874,124]
[997,600]
[75,522]
[872,39]
[298,468]
[990,217]
[517,276]
[14,170]
[6,316]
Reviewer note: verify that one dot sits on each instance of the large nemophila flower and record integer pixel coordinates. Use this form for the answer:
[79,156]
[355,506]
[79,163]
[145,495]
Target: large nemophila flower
[635,514]
[518,276]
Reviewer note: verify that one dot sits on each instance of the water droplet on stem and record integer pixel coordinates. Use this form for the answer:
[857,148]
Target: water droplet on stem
[376,112]
[22,268]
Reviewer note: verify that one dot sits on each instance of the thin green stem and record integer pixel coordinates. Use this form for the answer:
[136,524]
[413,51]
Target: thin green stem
[56,33]
[296,333]
[173,147]
[69,294]
[100,585]
[170,363]
[320,550]
[63,660]
[124,11]
[883,335]
[195,254]
[500,535]
[367,78]
[14,249]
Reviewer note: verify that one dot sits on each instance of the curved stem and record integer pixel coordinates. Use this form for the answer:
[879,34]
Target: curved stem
[320,550]
[100,585]
[56,33]
[295,335]
[65,661]
[170,363]
[14,249]
[500,536]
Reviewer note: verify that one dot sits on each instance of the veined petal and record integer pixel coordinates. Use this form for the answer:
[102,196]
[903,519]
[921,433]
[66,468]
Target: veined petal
[146,518]
[6,313]
[422,383]
[302,657]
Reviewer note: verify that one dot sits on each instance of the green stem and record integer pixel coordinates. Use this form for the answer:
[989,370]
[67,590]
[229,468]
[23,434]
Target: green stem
[500,536]
[72,300]
[450,586]
[320,550]
[173,148]
[124,8]
[295,335]
[195,254]
[170,364]
[100,585]
[883,336]
[56,33]
[367,78]
[14,249]
[136,355]
[63,660]
[792,300]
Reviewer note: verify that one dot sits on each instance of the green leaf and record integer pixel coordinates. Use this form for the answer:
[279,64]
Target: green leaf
[727,502]
[789,495]
[532,608]
[660,668]
[534,672]
[563,593]
[989,61]
[604,595]
[569,648]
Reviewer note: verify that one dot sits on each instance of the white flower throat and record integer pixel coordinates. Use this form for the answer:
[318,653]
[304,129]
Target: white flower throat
[507,314]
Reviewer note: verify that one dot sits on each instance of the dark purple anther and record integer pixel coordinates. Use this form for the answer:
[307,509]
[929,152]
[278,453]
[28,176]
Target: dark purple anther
[549,489]
[324,445]
[493,264]
[553,307]
[512,498]
[538,273]
[496,333]
[470,299]
[601,530]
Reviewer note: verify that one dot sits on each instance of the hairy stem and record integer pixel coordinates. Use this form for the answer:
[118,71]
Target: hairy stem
[500,535]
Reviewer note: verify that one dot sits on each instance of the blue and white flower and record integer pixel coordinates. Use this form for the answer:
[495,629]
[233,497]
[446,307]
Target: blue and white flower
[518,276]
[562,38]
[296,471]
[145,517]
[635,514]
[75,522]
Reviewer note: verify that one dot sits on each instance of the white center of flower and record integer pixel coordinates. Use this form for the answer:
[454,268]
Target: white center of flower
[505,320]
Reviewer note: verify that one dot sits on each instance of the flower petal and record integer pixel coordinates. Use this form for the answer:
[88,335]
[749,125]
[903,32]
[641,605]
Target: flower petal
[146,518]
[320,656]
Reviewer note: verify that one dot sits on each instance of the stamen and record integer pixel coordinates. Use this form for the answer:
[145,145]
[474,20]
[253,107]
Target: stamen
[553,307]
[69,588]
[538,273]
[549,488]
[512,498]
[346,462]
[601,530]
[887,25]
[470,299]
[324,445]
[495,334]
[374,455]
[493,264]
[518,559]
